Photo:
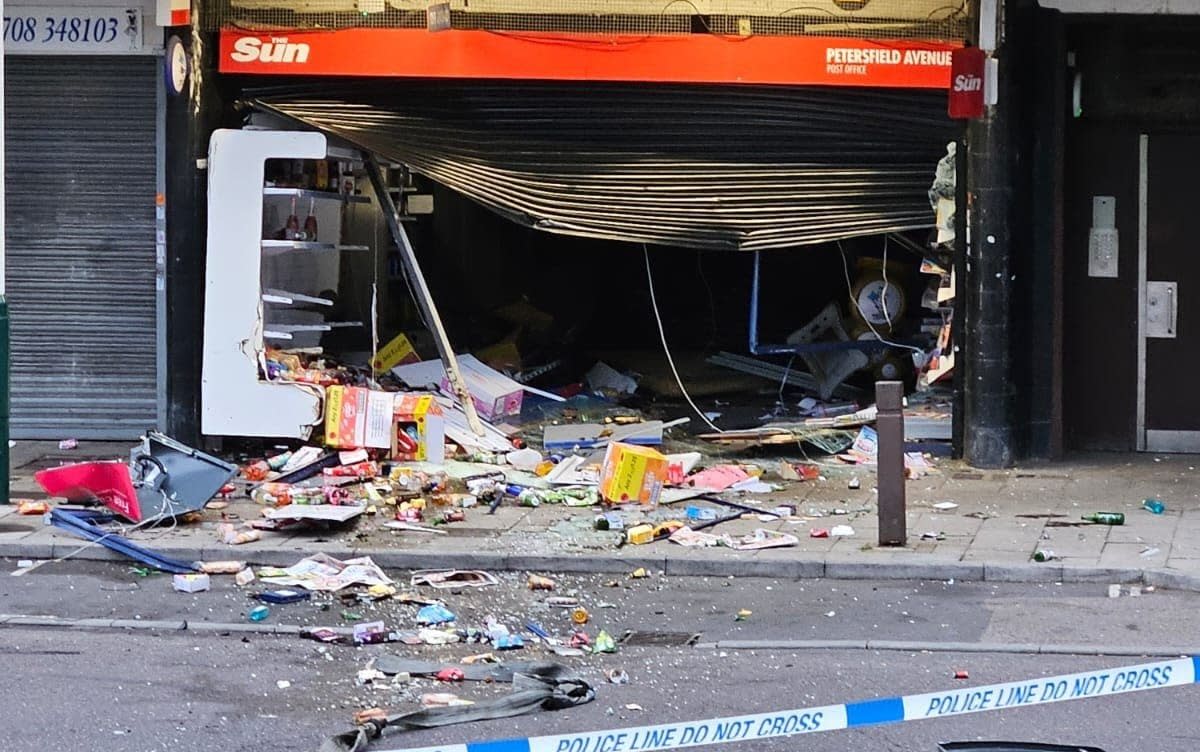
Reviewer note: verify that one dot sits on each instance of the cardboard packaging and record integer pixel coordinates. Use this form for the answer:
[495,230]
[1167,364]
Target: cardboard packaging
[191,583]
[395,353]
[357,418]
[495,395]
[418,432]
[633,474]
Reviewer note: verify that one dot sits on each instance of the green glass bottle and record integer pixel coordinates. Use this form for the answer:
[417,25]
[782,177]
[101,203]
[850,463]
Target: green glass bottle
[1105,518]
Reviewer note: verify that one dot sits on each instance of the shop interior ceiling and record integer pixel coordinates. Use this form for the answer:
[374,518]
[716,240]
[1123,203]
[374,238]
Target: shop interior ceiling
[711,167]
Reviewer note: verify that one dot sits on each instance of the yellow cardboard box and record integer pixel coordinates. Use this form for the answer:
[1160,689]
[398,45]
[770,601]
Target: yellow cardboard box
[632,474]
[418,429]
[395,353]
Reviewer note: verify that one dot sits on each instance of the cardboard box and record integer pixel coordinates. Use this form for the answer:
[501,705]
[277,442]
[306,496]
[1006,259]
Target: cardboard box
[494,394]
[418,417]
[191,583]
[357,418]
[397,352]
[633,474]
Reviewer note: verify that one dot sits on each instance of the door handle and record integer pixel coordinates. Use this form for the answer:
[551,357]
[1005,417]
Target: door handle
[1162,309]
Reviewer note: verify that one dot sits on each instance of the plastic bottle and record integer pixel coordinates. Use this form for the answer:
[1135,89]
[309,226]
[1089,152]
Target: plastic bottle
[1154,506]
[310,222]
[1043,555]
[1105,518]
[259,613]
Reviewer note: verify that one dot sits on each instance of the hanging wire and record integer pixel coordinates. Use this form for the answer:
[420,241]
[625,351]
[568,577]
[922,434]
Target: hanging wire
[667,350]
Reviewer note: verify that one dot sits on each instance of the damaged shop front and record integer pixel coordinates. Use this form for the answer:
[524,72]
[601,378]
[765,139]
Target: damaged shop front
[591,272]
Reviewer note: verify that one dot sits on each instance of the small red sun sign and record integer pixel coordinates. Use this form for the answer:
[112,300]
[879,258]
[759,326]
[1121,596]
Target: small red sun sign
[966,83]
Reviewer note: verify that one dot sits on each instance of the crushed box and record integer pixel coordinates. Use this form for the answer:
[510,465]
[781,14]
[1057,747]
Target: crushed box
[633,474]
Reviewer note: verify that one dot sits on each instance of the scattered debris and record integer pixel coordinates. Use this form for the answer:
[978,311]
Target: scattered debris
[743,614]
[1154,506]
[191,583]
[453,579]
[537,582]
[325,573]
[32,507]
[604,643]
[221,567]
[442,700]
[231,535]
[434,615]
[617,676]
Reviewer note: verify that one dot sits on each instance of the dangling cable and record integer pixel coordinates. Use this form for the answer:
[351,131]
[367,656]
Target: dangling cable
[663,336]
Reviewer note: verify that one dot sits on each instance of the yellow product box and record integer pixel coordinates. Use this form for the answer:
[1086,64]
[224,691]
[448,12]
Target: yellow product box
[397,352]
[632,474]
[418,429]
[640,535]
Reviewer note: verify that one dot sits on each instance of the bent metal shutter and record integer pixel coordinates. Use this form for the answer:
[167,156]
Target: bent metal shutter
[704,166]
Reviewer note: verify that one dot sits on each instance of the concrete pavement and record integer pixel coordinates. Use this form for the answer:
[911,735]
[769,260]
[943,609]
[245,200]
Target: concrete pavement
[1001,518]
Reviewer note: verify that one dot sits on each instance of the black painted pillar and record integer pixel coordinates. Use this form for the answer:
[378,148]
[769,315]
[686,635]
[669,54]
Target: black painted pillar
[989,430]
[190,119]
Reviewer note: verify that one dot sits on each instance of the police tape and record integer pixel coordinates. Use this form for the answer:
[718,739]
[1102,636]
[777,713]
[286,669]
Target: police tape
[1089,684]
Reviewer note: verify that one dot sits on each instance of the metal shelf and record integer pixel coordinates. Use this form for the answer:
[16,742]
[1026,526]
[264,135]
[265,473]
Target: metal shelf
[321,195]
[285,331]
[288,328]
[283,297]
[307,245]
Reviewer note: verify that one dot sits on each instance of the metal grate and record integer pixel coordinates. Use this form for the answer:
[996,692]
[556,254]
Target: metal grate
[898,19]
[633,638]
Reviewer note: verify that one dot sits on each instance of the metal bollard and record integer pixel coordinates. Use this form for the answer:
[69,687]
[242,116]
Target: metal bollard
[889,425]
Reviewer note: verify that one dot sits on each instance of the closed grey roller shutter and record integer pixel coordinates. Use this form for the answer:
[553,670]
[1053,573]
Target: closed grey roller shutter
[80,154]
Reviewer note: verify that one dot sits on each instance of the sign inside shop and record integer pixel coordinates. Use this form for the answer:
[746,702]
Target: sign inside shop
[66,30]
[693,58]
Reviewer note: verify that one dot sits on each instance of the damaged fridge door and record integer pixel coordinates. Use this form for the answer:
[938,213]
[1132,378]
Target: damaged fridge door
[172,479]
